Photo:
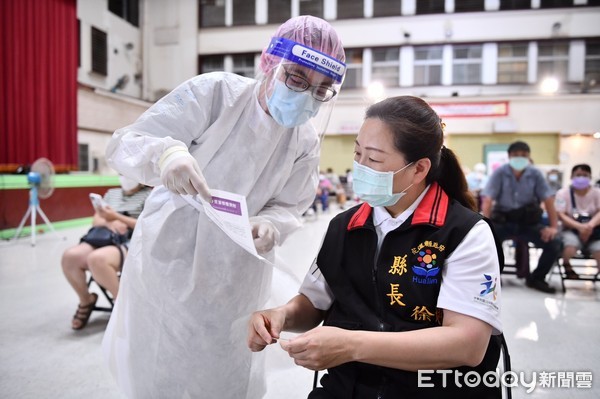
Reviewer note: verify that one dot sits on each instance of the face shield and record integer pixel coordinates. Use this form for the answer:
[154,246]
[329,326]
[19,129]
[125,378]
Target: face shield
[304,69]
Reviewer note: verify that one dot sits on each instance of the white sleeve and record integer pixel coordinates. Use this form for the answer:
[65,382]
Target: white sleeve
[471,278]
[175,120]
[316,289]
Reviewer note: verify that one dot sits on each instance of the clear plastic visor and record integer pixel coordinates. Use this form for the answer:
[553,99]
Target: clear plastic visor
[303,90]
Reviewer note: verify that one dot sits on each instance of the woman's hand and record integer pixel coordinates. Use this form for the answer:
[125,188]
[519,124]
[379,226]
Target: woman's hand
[107,216]
[264,328]
[107,213]
[320,348]
[548,233]
[585,231]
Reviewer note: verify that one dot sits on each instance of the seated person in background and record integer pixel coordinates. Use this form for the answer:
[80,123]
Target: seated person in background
[516,190]
[325,187]
[578,208]
[477,180]
[103,254]
[554,180]
[347,184]
[337,188]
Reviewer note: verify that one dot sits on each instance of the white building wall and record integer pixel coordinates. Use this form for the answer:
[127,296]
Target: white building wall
[577,149]
[170,45]
[424,29]
[124,48]
[100,113]
[528,114]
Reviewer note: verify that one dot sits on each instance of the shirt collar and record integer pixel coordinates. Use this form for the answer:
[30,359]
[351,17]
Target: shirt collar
[381,215]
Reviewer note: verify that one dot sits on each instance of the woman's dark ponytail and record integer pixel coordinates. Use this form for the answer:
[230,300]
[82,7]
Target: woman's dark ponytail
[452,179]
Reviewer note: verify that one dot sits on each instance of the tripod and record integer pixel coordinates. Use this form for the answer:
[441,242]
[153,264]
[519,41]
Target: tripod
[34,208]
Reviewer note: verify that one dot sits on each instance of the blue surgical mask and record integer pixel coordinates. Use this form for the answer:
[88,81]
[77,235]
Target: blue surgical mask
[518,163]
[290,108]
[375,187]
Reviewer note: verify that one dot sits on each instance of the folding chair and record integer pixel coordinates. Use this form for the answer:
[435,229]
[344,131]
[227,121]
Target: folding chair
[106,294]
[520,251]
[583,263]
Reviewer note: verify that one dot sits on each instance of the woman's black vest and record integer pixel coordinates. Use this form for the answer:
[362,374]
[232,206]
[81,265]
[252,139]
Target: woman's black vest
[396,292]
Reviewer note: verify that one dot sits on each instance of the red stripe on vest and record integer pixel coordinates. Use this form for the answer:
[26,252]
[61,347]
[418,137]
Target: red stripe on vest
[360,217]
[433,208]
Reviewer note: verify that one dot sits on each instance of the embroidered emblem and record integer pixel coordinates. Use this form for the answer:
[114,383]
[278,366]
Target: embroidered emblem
[427,267]
[428,244]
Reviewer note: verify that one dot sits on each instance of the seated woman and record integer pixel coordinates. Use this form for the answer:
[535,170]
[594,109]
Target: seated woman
[406,283]
[104,260]
[578,208]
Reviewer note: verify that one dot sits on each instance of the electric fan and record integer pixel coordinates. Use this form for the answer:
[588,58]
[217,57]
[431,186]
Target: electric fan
[41,183]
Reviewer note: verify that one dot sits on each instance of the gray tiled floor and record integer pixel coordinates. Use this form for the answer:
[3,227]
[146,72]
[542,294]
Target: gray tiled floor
[41,357]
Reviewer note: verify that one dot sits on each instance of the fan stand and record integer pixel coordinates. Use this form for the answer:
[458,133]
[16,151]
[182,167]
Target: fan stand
[34,207]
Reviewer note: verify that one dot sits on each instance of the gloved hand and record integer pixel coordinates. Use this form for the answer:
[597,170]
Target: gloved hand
[180,173]
[264,233]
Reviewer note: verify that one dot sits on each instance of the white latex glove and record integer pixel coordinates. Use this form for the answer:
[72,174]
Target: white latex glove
[264,233]
[180,173]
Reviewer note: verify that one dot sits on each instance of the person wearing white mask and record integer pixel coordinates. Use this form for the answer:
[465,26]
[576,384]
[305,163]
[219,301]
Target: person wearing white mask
[554,180]
[178,328]
[477,180]
[406,281]
[511,198]
[102,249]
[578,208]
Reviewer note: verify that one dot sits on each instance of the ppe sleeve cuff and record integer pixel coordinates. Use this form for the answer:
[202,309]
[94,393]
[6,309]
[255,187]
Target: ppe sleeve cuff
[170,154]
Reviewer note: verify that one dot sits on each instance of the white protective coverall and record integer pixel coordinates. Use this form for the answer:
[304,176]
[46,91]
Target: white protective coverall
[178,329]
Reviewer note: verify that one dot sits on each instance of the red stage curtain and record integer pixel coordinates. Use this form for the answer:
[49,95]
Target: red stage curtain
[38,83]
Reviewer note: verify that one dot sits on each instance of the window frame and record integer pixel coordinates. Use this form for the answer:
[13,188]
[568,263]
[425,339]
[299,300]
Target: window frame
[562,74]
[129,10]
[385,8]
[249,69]
[466,62]
[426,7]
[99,64]
[203,58]
[513,60]
[245,17]
[318,12]
[354,66]
[214,12]
[355,9]
[385,64]
[279,5]
[427,63]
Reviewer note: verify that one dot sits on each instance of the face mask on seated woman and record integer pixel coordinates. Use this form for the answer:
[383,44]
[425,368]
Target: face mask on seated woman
[375,187]
[580,182]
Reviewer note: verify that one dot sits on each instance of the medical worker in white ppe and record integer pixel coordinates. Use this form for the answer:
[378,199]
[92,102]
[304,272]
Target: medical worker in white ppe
[179,326]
